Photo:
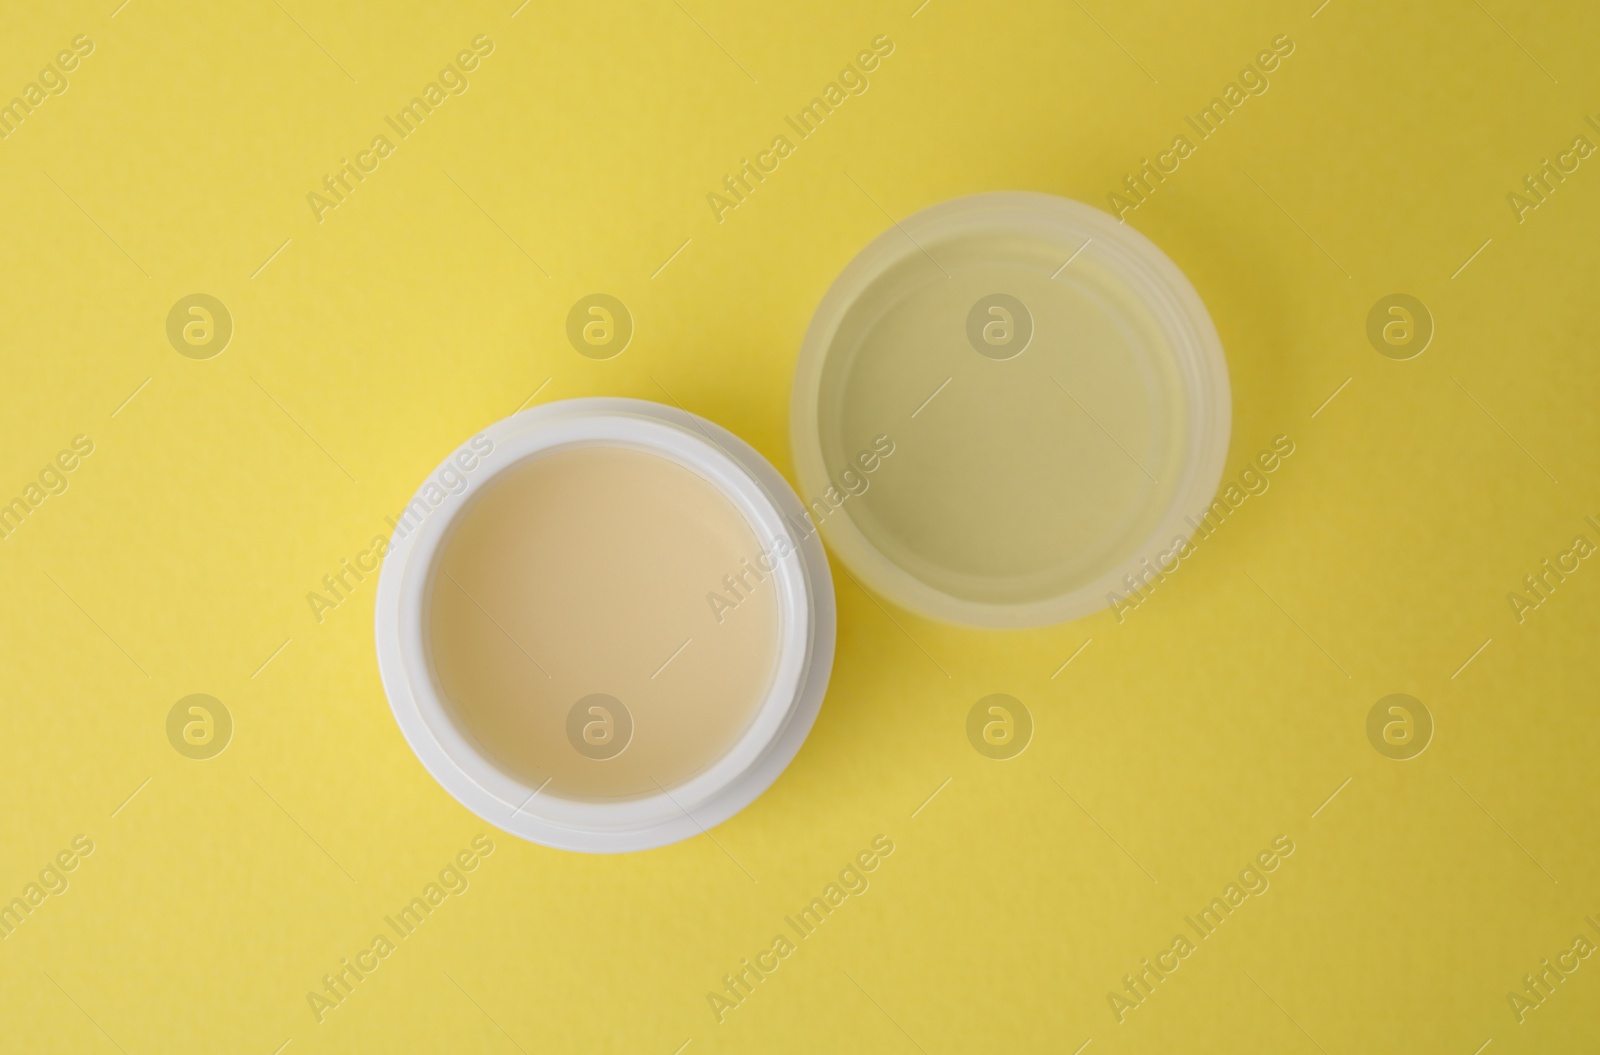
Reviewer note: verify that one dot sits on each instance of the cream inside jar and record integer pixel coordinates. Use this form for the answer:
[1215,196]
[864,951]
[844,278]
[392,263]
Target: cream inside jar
[600,622]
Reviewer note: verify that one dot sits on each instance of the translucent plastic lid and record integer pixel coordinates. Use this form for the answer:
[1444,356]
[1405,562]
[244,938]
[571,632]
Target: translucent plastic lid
[1003,405]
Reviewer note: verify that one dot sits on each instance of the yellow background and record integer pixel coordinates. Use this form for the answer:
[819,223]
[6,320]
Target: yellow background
[1178,743]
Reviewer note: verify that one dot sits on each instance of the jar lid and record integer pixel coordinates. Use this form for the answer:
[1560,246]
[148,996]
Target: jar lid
[1004,405]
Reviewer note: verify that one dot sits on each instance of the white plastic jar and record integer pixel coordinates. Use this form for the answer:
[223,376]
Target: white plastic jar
[534,588]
